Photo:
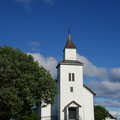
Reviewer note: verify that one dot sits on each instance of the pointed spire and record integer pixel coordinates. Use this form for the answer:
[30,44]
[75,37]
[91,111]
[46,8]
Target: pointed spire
[69,43]
[69,37]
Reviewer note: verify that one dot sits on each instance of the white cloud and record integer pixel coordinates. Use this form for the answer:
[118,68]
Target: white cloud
[115,74]
[106,89]
[111,86]
[106,103]
[48,63]
[90,70]
[27,2]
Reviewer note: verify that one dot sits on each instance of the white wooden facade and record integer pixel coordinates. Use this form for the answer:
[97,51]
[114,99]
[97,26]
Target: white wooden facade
[74,100]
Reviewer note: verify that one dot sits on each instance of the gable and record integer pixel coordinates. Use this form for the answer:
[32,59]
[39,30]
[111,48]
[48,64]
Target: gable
[73,104]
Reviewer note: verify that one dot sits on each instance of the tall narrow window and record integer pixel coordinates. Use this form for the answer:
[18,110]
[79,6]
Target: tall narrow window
[69,76]
[71,89]
[73,77]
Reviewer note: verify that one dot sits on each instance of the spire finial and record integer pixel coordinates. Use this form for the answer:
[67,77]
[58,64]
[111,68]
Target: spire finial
[69,30]
[69,34]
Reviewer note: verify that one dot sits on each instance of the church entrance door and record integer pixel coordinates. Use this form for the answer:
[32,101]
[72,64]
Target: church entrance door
[72,113]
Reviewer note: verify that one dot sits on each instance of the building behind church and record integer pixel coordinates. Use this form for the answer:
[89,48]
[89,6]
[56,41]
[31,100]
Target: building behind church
[74,100]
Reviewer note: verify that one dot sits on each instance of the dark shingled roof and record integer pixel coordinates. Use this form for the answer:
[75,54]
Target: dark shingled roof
[70,62]
[69,43]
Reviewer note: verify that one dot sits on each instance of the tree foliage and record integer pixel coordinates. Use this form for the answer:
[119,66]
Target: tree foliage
[100,113]
[23,84]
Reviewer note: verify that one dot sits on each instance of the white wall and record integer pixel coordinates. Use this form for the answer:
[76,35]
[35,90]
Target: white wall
[80,94]
[46,112]
[65,95]
[58,96]
[88,105]
[69,54]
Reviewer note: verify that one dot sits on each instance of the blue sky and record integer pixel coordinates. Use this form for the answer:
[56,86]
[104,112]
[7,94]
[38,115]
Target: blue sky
[40,27]
[94,27]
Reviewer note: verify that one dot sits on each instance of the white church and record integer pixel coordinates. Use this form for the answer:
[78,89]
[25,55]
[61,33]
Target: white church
[74,100]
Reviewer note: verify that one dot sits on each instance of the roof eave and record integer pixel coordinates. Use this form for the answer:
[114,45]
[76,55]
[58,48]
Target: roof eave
[90,90]
[70,63]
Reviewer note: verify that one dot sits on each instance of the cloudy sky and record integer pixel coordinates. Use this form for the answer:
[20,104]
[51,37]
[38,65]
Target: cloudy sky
[40,28]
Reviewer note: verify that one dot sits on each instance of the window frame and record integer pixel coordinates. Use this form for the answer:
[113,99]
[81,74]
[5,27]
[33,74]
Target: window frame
[71,89]
[71,76]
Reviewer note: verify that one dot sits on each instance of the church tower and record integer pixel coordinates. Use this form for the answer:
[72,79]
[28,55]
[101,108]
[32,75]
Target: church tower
[74,100]
[70,84]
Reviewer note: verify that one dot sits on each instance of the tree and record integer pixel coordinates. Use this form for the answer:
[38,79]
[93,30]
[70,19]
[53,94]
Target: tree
[23,84]
[100,113]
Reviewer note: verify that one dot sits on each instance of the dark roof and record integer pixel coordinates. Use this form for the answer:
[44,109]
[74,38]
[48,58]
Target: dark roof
[69,43]
[111,116]
[70,62]
[89,89]
[71,103]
